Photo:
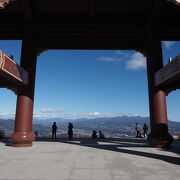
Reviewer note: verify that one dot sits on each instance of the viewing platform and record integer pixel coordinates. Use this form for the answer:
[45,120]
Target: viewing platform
[89,159]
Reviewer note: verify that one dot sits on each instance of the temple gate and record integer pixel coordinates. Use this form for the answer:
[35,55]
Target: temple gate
[90,24]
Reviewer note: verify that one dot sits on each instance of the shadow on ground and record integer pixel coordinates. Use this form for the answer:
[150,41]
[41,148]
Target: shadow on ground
[137,147]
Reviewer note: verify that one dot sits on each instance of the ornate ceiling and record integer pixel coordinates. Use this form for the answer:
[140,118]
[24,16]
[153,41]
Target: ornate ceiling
[3,3]
[175,1]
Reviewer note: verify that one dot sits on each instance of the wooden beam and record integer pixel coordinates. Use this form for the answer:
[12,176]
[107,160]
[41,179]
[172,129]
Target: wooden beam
[28,10]
[92,10]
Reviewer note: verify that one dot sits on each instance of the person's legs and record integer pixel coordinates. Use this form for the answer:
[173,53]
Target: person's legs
[145,134]
[52,135]
[69,135]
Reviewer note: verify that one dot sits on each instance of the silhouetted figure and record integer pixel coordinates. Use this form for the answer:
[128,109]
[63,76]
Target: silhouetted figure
[101,135]
[138,130]
[2,133]
[70,131]
[54,129]
[94,134]
[36,134]
[145,130]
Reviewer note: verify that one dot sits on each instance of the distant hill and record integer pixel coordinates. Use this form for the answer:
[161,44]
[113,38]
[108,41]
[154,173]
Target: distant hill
[49,121]
[112,127]
[7,125]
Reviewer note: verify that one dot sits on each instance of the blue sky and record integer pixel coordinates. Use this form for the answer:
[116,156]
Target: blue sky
[87,84]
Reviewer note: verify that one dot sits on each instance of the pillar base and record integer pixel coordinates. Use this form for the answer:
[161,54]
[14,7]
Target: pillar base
[159,141]
[22,139]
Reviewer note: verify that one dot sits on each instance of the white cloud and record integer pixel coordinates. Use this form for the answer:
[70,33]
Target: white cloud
[168,44]
[42,115]
[121,53]
[48,110]
[7,115]
[49,113]
[136,62]
[117,56]
[93,115]
[108,59]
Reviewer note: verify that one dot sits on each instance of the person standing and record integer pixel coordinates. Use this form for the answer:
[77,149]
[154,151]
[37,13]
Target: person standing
[70,131]
[101,135]
[54,129]
[145,130]
[94,134]
[138,130]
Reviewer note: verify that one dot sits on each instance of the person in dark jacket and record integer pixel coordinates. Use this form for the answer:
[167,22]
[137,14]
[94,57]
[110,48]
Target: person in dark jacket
[145,130]
[101,135]
[54,129]
[94,134]
[70,131]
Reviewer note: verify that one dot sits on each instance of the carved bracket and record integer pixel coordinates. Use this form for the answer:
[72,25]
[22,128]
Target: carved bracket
[3,3]
[1,59]
[175,1]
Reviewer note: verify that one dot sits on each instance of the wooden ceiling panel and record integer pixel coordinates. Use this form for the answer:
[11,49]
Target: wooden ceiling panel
[123,6]
[59,6]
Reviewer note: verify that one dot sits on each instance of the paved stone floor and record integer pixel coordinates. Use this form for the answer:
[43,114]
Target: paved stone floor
[87,159]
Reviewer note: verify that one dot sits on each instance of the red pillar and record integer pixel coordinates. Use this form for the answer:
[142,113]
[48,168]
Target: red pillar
[23,135]
[159,135]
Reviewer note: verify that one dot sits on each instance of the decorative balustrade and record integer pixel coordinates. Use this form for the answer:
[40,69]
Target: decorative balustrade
[169,72]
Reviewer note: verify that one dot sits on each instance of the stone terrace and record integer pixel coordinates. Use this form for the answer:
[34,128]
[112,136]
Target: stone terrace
[86,159]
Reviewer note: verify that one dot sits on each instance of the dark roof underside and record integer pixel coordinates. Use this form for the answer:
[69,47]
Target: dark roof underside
[90,24]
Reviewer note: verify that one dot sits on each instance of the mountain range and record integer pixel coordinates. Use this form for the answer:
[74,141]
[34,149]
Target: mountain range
[111,126]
